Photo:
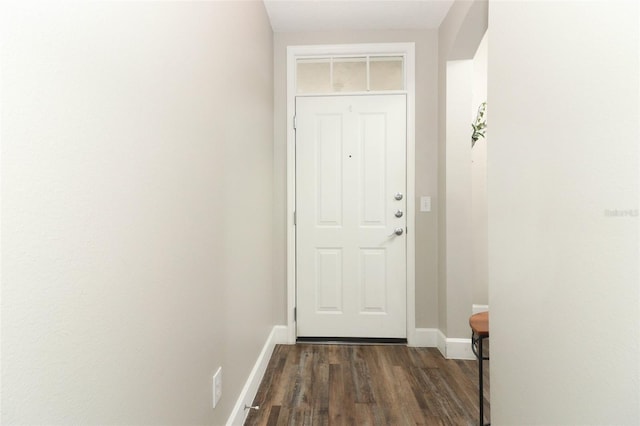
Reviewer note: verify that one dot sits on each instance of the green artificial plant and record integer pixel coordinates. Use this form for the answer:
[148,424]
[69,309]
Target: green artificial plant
[479,125]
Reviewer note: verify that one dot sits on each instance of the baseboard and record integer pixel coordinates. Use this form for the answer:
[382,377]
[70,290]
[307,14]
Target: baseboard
[442,343]
[280,333]
[459,349]
[277,336]
[425,338]
[454,348]
[476,309]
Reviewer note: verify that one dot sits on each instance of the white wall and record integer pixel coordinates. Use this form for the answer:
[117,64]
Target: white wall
[459,224]
[564,294]
[480,274]
[426,164]
[136,248]
[459,36]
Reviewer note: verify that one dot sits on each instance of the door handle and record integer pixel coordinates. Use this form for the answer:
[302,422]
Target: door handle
[398,196]
[398,231]
[398,213]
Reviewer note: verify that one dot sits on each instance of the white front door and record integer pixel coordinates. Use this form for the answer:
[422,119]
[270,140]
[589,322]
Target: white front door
[351,216]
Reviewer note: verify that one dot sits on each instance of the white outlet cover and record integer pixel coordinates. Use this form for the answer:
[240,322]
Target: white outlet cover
[217,386]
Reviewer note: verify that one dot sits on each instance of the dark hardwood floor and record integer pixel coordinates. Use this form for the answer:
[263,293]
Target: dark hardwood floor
[316,384]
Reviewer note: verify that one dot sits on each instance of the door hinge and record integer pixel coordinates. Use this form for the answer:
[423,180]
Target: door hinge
[295,314]
[295,122]
[295,218]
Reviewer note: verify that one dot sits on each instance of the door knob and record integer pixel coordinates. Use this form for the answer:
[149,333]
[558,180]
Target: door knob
[398,213]
[398,196]
[398,231]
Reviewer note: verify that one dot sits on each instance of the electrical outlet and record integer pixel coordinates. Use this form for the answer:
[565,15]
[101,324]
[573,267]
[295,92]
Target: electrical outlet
[217,387]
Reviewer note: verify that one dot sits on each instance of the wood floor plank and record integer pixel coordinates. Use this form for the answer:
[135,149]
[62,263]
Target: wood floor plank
[360,376]
[342,407]
[283,416]
[364,415]
[406,397]
[319,384]
[383,390]
[274,413]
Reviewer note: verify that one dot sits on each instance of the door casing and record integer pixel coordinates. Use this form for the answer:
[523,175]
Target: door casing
[407,50]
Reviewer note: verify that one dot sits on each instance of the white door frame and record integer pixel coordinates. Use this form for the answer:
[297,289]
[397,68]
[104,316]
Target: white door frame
[407,50]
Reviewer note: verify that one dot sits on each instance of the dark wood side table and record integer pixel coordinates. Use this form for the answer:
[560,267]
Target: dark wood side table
[479,331]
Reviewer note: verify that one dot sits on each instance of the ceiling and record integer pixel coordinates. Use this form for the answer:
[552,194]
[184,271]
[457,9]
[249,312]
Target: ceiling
[349,15]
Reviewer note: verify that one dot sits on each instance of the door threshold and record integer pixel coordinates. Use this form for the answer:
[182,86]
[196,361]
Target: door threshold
[351,340]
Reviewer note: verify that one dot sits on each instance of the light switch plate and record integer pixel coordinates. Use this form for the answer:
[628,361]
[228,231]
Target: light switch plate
[217,387]
[425,204]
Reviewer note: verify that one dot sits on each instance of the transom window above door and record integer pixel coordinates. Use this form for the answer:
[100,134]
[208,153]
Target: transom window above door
[349,74]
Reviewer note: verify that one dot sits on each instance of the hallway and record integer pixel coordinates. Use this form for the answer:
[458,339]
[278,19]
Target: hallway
[150,211]
[366,385]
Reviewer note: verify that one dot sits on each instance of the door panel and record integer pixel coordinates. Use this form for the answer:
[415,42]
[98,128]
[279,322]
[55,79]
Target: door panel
[373,285]
[350,265]
[329,169]
[328,280]
[372,169]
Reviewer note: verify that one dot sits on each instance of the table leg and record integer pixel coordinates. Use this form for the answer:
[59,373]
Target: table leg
[481,390]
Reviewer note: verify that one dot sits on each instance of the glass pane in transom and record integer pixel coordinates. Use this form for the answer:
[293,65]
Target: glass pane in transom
[386,73]
[313,76]
[349,74]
